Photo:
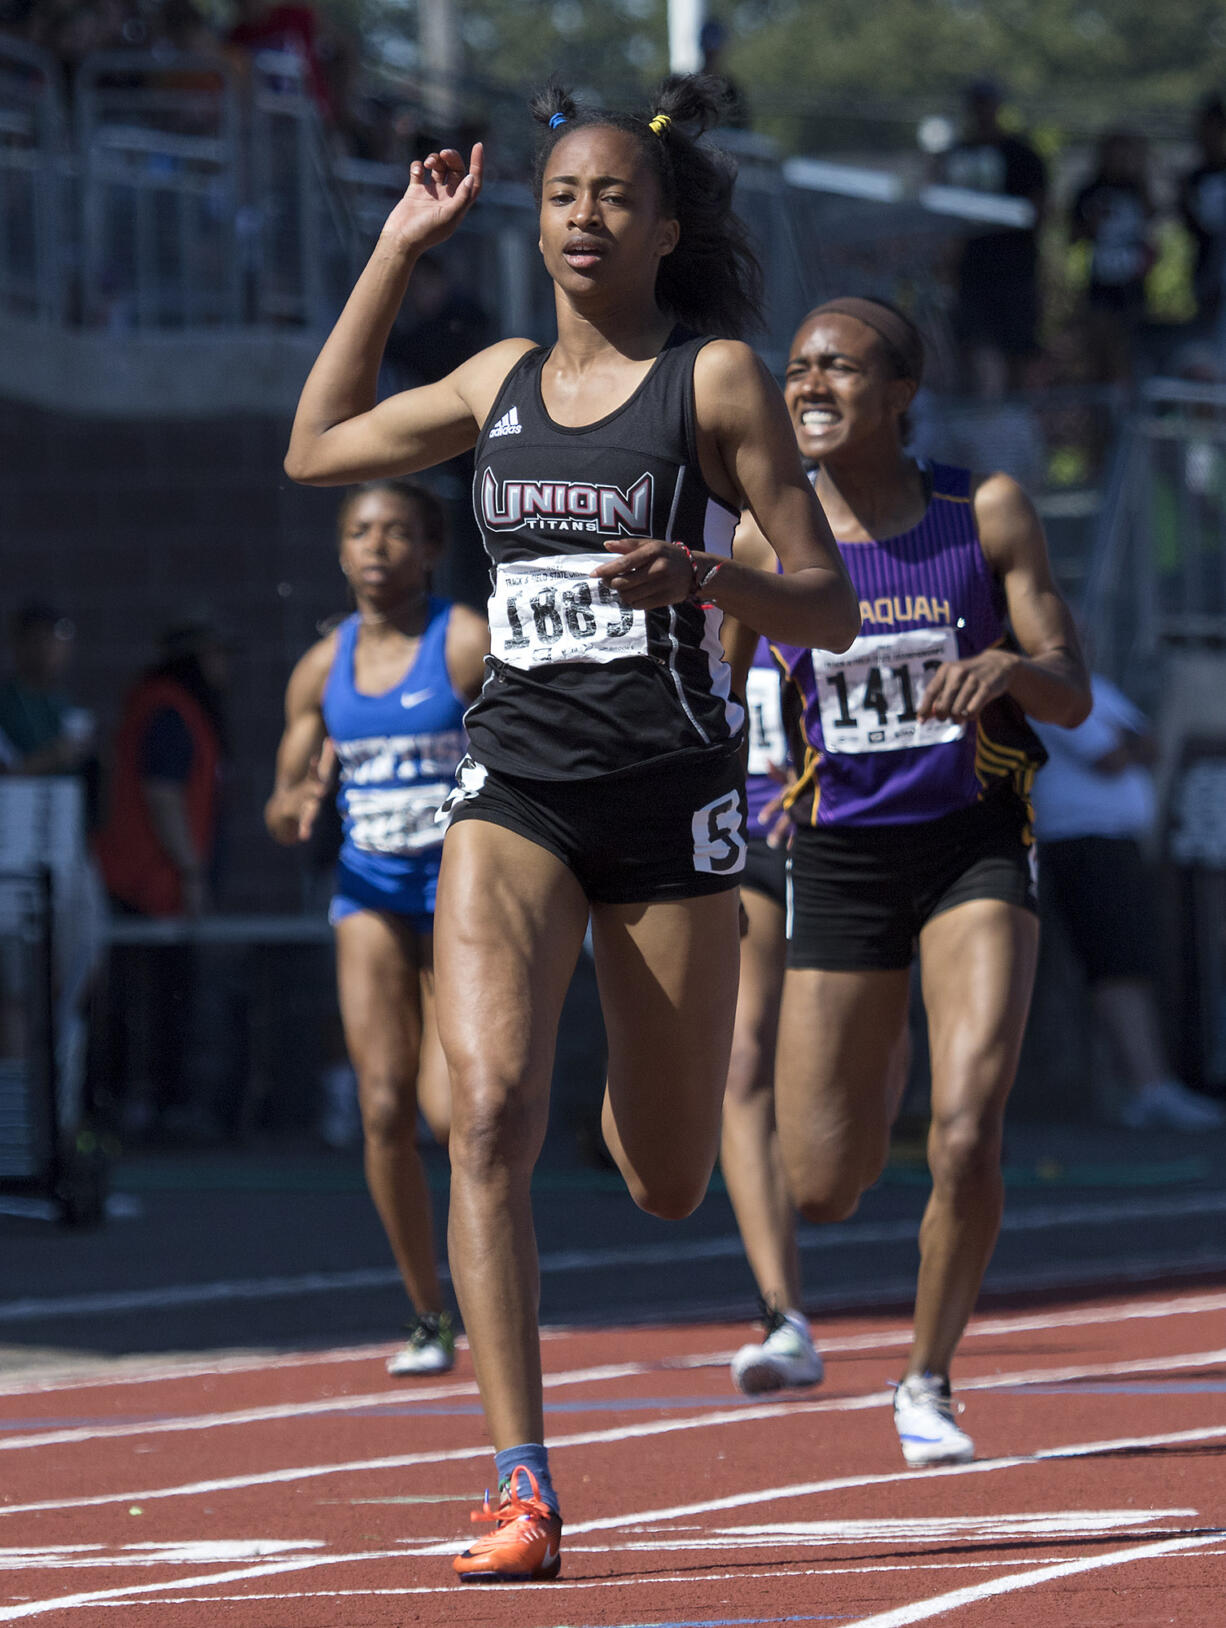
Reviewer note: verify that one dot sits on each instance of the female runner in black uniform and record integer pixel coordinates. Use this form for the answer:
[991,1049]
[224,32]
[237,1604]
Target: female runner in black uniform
[604,778]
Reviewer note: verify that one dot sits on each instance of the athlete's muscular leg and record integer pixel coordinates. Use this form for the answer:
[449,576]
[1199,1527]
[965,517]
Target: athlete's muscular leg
[978,963]
[749,1142]
[508,929]
[668,978]
[433,1086]
[839,1040]
[377,978]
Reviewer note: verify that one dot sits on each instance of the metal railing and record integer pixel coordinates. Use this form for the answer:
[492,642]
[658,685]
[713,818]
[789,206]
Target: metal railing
[35,175]
[1158,573]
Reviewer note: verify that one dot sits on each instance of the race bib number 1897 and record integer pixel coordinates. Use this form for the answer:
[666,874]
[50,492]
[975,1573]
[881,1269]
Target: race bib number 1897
[551,610]
[869,695]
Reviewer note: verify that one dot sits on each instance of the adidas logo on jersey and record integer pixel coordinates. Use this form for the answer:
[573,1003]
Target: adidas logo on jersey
[508,424]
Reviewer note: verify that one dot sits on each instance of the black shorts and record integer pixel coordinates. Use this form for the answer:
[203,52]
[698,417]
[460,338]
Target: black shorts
[1103,894]
[766,871]
[673,831]
[859,895]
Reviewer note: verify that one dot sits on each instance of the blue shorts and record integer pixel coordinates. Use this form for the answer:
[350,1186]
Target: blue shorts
[406,889]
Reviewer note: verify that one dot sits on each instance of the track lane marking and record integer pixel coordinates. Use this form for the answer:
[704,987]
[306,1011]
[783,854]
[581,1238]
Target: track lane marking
[1114,1312]
[580,1376]
[846,1483]
[125,1595]
[715,1419]
[921,1611]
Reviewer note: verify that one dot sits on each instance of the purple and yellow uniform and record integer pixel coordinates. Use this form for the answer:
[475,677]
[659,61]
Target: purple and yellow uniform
[864,755]
[899,818]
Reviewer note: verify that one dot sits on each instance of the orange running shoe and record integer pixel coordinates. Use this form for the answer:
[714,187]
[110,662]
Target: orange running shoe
[526,1543]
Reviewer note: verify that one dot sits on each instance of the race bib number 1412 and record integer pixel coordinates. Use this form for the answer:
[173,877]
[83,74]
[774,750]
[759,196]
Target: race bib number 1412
[869,696]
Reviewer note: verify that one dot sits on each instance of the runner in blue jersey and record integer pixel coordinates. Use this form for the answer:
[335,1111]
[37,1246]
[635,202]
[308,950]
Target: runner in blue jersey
[612,467]
[914,762]
[749,1142]
[380,701]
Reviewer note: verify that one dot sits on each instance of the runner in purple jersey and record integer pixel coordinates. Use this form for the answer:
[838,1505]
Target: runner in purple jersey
[912,824]
[749,1143]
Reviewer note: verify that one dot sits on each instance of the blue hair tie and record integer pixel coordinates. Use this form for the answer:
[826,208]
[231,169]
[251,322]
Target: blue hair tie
[556,120]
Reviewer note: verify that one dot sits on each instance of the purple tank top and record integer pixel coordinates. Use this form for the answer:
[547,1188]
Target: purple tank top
[767,736]
[864,756]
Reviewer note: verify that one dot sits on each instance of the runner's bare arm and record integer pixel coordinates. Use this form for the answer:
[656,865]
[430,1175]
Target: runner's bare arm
[302,741]
[468,644]
[749,547]
[340,432]
[1049,678]
[749,458]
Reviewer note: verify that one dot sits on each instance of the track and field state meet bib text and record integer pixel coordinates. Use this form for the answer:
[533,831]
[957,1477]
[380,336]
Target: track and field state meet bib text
[870,694]
[551,610]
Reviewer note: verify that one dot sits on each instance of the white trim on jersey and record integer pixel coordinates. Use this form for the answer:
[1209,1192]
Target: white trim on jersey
[718,526]
[673,641]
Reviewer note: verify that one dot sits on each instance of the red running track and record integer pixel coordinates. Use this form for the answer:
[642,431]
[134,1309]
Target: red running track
[312,1491]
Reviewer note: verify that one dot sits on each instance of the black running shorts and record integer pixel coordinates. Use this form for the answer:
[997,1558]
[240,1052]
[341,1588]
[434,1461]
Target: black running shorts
[673,830]
[859,895]
[766,871]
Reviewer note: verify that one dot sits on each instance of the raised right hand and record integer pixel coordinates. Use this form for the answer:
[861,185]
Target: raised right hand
[439,194]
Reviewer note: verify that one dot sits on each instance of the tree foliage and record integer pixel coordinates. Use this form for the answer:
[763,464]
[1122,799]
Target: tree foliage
[1070,63]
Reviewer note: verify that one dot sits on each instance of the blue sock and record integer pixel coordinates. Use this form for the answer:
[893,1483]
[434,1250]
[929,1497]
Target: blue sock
[533,1457]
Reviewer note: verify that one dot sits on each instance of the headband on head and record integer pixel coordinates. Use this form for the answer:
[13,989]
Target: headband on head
[556,120]
[901,335]
[659,124]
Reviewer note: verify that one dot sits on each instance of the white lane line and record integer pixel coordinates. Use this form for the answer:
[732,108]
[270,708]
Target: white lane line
[712,1420]
[1035,1218]
[194,1423]
[129,1596]
[847,1483]
[563,1583]
[455,1455]
[102,1596]
[99,1377]
[389,1397]
[923,1610]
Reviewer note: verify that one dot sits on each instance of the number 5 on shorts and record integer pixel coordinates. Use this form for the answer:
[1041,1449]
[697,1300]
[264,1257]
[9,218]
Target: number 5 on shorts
[719,845]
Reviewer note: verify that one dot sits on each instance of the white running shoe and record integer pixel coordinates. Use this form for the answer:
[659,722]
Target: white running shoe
[1172,1105]
[924,1420]
[430,1348]
[785,1359]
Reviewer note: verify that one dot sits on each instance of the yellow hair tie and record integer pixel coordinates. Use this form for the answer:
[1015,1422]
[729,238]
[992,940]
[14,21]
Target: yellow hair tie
[660,124]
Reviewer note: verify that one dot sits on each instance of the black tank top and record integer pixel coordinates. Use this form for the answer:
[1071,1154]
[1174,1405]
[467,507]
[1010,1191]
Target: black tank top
[577,686]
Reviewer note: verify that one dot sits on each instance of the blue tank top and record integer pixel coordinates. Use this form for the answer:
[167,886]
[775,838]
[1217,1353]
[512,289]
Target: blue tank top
[865,757]
[397,754]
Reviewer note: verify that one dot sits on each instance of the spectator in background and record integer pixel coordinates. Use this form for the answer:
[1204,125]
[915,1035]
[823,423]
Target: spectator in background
[997,311]
[712,39]
[1113,213]
[159,847]
[159,851]
[1202,203]
[41,732]
[1093,802]
[294,26]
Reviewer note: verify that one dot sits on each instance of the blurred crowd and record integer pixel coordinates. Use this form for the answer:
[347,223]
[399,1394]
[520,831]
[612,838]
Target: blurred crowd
[363,121]
[1114,228]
